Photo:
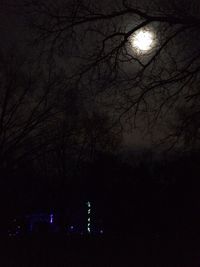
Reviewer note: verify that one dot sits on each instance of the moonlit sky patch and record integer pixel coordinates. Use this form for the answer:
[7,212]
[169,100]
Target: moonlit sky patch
[142,41]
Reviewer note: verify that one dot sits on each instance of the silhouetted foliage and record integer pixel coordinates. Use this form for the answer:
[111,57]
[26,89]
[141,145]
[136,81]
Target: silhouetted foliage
[144,89]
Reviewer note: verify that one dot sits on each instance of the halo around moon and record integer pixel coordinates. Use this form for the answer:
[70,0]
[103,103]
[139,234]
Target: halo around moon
[142,41]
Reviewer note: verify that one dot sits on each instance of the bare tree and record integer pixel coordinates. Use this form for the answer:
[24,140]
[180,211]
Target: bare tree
[74,137]
[44,120]
[148,87]
[26,105]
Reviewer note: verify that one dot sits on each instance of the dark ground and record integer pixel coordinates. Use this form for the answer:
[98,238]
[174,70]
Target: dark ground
[92,251]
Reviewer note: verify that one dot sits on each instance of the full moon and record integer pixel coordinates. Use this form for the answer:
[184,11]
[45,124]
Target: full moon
[142,41]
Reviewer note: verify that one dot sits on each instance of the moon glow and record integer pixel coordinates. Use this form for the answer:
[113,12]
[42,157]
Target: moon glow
[142,41]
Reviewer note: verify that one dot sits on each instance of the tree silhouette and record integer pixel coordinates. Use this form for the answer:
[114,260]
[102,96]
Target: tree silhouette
[141,88]
[25,106]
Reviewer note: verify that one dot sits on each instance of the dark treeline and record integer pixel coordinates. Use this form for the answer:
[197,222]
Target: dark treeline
[142,196]
[150,196]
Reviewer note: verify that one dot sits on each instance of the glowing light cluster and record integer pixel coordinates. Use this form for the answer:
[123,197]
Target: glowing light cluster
[89,219]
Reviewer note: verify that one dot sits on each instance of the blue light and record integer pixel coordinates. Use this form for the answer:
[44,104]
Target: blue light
[51,218]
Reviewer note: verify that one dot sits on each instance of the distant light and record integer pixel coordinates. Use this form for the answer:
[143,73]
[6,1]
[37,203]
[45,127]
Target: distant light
[51,218]
[71,227]
[88,219]
[101,231]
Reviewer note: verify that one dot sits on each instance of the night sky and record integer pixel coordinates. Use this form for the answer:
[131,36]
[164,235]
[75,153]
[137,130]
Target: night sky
[99,104]
[16,34]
